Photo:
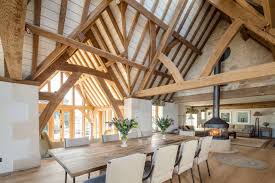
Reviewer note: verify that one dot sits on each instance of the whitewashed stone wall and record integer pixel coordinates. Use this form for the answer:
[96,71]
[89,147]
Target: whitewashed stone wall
[19,127]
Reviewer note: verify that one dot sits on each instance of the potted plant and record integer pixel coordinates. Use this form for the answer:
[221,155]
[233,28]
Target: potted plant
[124,126]
[163,124]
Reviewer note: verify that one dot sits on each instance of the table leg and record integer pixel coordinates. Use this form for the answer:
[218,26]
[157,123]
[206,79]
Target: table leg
[74,180]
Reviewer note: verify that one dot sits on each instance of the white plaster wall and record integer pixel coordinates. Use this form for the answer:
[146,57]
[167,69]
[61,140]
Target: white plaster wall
[243,54]
[171,110]
[141,110]
[19,127]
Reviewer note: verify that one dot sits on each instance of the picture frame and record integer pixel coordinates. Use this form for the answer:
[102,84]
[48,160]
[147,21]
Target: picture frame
[226,116]
[243,117]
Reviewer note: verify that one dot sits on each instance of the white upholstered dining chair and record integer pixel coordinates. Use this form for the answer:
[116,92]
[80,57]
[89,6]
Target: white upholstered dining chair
[128,169]
[162,165]
[110,138]
[186,158]
[203,152]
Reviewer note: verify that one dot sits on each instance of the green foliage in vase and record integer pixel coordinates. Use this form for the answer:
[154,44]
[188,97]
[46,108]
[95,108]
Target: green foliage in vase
[164,123]
[124,125]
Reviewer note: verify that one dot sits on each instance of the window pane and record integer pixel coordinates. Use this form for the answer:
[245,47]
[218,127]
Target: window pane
[191,120]
[56,133]
[78,123]
[66,124]
[68,99]
[78,98]
[45,88]
[88,128]
[55,82]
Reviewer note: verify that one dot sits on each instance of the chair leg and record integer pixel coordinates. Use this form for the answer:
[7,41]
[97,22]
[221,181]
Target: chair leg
[208,168]
[192,175]
[179,178]
[199,173]
[66,175]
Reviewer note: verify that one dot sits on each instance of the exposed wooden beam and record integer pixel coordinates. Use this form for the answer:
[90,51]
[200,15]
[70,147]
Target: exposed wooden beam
[248,7]
[85,11]
[46,95]
[35,41]
[164,41]
[84,70]
[254,105]
[252,72]
[160,23]
[153,43]
[26,82]
[230,94]
[269,11]
[83,28]
[221,46]
[171,67]
[62,17]
[12,30]
[56,99]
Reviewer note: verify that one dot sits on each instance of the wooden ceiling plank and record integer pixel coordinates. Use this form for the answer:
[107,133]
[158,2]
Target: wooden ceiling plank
[85,11]
[269,11]
[12,30]
[55,101]
[62,17]
[221,46]
[251,72]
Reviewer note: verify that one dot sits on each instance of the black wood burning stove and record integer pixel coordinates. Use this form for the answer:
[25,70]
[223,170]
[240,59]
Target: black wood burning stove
[217,127]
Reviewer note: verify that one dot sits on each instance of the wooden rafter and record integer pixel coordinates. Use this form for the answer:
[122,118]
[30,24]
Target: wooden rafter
[83,28]
[251,72]
[171,67]
[230,94]
[221,47]
[62,17]
[12,29]
[35,41]
[85,11]
[164,41]
[159,22]
[56,99]
[269,11]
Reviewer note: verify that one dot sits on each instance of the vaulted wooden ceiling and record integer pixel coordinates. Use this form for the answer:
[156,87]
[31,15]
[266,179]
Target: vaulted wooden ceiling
[129,48]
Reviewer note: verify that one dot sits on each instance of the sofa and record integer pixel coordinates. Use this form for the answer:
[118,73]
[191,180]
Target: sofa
[242,130]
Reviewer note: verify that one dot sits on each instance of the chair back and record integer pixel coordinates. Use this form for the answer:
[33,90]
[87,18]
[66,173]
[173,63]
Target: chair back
[205,146]
[187,133]
[126,169]
[187,153]
[164,161]
[76,142]
[110,138]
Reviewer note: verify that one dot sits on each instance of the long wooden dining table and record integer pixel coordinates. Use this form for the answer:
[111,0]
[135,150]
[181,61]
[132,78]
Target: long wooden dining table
[78,161]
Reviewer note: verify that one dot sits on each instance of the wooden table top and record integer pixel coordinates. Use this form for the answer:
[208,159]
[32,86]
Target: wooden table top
[82,160]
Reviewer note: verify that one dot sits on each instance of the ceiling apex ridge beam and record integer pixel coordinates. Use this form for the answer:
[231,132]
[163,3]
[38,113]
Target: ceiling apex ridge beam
[221,46]
[251,72]
[171,67]
[162,24]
